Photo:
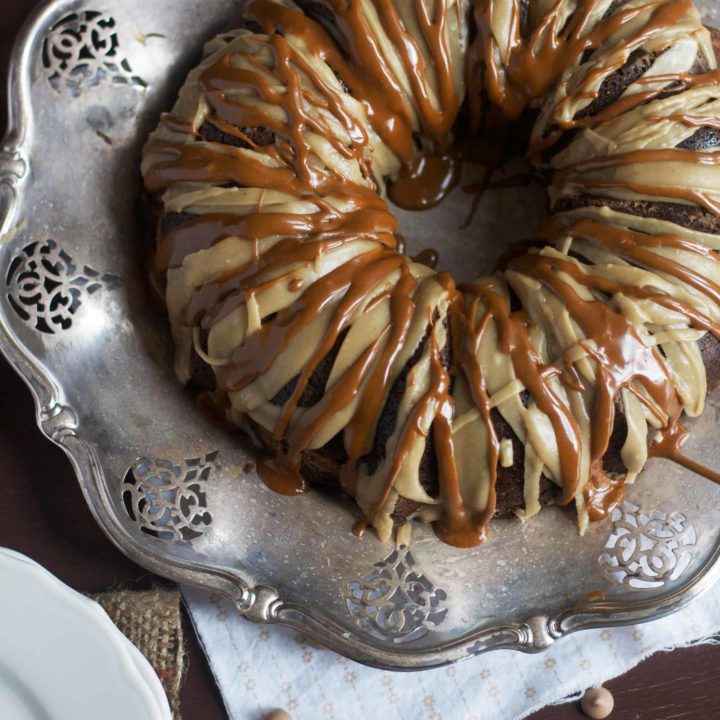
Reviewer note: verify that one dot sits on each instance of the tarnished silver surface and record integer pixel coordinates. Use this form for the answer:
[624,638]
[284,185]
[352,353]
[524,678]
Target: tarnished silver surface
[179,495]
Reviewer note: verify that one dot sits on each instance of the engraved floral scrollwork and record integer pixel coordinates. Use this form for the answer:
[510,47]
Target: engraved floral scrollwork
[394,602]
[648,550]
[82,50]
[46,289]
[168,500]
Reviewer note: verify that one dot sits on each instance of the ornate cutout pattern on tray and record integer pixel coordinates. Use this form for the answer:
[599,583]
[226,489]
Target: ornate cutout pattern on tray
[396,602]
[168,500]
[46,289]
[82,50]
[646,550]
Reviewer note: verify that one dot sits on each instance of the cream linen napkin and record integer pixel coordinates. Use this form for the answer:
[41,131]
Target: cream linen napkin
[259,668]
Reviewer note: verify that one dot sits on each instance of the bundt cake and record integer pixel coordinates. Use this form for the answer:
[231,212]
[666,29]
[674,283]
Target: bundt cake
[352,365]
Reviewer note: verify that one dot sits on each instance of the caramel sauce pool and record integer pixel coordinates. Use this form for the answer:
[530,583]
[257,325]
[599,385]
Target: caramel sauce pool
[425,182]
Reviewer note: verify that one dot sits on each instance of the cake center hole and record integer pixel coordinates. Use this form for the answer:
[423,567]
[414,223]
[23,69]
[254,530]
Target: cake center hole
[476,222]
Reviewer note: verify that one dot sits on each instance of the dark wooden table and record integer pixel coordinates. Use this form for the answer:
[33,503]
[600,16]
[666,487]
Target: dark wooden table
[43,514]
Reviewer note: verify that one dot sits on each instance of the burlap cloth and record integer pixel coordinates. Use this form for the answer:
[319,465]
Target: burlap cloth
[151,621]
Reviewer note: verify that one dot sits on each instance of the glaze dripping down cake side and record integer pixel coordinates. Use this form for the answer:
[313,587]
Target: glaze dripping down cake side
[353,366]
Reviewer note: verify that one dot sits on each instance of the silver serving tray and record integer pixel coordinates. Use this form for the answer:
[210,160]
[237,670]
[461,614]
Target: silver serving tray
[179,495]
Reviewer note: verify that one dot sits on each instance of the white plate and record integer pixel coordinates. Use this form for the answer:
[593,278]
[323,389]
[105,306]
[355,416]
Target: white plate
[62,658]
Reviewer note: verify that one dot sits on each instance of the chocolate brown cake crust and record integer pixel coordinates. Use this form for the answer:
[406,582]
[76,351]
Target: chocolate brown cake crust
[259,137]
[615,85]
[706,138]
[692,217]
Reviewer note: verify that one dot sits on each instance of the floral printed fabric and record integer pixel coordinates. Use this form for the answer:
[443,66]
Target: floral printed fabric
[261,668]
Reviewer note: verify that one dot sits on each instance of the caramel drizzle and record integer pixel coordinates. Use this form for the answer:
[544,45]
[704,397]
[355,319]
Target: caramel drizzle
[470,333]
[425,182]
[639,248]
[532,66]
[661,17]
[669,446]
[360,430]
[580,175]
[695,121]
[437,122]
[201,163]
[622,360]
[260,350]
[203,232]
[354,297]
[435,396]
[289,64]
[625,104]
[534,374]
